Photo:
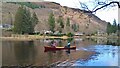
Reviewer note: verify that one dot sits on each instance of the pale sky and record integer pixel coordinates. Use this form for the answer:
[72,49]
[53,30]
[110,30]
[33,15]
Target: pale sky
[108,14]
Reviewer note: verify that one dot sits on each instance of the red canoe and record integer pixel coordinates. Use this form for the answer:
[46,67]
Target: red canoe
[49,48]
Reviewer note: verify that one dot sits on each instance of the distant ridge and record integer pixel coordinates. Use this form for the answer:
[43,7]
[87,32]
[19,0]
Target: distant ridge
[88,22]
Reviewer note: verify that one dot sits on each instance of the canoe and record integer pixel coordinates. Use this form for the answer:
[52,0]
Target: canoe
[49,48]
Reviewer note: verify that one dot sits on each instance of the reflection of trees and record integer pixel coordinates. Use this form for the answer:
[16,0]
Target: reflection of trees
[101,41]
[113,54]
[59,55]
[53,56]
[114,42]
[108,41]
[118,42]
[24,52]
[50,57]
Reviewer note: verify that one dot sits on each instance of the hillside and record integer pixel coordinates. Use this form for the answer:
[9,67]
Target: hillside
[88,23]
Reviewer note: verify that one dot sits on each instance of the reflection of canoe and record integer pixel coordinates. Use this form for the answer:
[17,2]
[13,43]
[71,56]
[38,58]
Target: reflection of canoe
[49,48]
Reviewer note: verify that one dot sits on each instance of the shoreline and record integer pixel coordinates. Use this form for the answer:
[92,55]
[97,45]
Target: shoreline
[38,37]
[32,37]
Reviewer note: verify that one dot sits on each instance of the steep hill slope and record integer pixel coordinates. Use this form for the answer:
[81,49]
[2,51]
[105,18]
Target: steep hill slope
[88,23]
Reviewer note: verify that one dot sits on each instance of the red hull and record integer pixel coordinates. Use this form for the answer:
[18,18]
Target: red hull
[48,48]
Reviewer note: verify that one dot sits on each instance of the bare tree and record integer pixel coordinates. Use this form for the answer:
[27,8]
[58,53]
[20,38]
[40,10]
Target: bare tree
[97,5]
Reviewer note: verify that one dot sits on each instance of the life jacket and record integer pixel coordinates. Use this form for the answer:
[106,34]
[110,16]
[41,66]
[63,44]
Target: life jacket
[68,44]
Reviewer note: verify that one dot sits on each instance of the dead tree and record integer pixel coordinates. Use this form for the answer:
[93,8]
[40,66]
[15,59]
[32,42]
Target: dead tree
[99,5]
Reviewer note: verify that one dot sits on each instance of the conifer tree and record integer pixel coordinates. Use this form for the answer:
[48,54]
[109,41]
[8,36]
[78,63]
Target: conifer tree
[24,22]
[34,20]
[114,26]
[68,25]
[51,22]
[68,22]
[18,23]
[60,21]
[61,25]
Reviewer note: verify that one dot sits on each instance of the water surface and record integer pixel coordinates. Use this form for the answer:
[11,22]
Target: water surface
[89,52]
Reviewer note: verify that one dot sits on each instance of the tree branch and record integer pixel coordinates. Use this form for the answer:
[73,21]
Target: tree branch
[107,5]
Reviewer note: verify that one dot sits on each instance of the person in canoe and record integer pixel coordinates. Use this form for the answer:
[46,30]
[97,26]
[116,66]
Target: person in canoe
[68,45]
[53,43]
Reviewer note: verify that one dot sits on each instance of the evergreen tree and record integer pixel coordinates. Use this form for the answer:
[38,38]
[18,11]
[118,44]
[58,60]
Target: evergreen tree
[60,22]
[51,22]
[24,23]
[118,28]
[68,25]
[34,20]
[68,22]
[109,28]
[18,23]
[114,23]
[114,26]
[27,25]
[75,27]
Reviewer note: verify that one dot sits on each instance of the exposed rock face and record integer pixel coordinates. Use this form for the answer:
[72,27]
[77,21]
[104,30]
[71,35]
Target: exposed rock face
[88,23]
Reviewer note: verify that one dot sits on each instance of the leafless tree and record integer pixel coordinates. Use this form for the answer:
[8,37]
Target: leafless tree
[98,4]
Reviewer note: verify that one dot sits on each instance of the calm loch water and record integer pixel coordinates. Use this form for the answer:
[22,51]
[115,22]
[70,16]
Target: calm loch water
[89,52]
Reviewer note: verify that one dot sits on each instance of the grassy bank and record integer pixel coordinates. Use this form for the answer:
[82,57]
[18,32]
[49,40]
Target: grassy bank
[102,37]
[30,37]
[37,37]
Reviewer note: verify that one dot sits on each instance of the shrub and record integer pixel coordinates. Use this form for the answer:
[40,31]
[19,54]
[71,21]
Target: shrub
[70,34]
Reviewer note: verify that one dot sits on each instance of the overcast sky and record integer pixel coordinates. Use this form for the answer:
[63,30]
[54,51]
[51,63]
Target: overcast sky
[108,14]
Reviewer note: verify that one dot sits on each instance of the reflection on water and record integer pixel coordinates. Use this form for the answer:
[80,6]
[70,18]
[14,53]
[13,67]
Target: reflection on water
[89,52]
[24,52]
[20,53]
[107,55]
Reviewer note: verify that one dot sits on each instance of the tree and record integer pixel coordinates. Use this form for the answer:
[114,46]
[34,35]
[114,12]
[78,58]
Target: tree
[19,20]
[114,22]
[114,26]
[60,22]
[119,27]
[118,30]
[109,28]
[51,22]
[34,20]
[75,27]
[68,25]
[27,22]
[68,22]
[23,21]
